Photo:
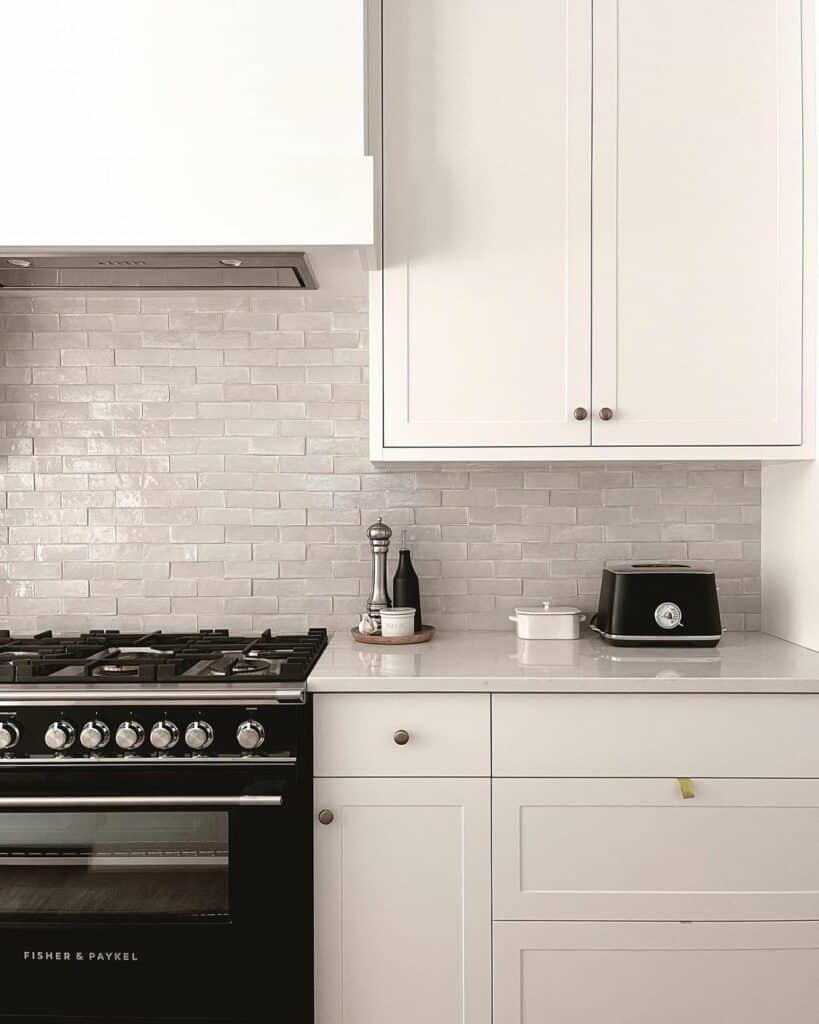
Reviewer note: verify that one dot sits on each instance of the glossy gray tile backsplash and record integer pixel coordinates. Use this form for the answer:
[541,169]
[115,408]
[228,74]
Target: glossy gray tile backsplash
[195,461]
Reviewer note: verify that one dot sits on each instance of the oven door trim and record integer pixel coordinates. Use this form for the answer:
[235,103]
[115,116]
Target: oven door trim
[77,802]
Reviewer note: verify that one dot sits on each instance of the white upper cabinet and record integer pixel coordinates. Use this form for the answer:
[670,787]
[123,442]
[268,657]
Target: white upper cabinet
[593,208]
[486,247]
[184,123]
[698,222]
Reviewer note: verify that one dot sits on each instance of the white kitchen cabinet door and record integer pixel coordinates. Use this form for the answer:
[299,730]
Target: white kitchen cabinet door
[403,901]
[606,973]
[636,850]
[698,222]
[483,303]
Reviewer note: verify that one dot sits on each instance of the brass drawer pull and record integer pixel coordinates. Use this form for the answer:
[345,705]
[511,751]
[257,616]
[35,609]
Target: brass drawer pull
[401,737]
[686,788]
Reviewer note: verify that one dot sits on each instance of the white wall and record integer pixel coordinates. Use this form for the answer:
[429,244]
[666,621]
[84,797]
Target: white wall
[790,547]
[790,552]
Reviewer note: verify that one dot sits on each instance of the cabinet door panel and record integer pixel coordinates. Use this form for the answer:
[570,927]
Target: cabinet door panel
[403,902]
[605,973]
[698,211]
[635,850]
[486,222]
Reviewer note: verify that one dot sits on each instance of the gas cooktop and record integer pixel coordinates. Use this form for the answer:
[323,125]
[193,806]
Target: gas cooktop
[107,664]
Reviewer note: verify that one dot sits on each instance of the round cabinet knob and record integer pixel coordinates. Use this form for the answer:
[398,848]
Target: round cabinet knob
[401,737]
[59,736]
[129,736]
[580,413]
[164,735]
[325,817]
[199,735]
[9,735]
[250,735]
[605,413]
[95,735]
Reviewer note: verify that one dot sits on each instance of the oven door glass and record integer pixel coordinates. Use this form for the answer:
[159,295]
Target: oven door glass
[114,863]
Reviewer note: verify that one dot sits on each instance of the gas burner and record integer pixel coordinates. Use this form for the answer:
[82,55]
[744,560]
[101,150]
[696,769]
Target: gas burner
[115,668]
[124,661]
[234,663]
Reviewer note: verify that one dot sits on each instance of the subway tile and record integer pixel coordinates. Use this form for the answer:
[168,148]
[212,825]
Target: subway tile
[61,340]
[239,320]
[114,340]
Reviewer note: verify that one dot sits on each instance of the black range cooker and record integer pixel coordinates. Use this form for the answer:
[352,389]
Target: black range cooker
[155,828]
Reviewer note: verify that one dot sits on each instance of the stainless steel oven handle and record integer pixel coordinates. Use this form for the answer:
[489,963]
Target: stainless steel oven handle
[242,800]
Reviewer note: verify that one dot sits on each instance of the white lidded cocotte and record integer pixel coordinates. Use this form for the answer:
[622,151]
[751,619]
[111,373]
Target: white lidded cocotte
[397,621]
[548,622]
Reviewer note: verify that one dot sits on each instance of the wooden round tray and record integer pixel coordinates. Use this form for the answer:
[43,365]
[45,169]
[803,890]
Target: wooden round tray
[424,635]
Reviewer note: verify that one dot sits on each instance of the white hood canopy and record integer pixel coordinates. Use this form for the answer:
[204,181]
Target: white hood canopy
[184,125]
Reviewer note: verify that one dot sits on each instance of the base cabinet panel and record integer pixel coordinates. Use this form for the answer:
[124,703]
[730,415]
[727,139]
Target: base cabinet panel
[636,850]
[403,901]
[607,973]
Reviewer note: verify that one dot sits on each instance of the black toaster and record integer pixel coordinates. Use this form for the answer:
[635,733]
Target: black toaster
[658,605]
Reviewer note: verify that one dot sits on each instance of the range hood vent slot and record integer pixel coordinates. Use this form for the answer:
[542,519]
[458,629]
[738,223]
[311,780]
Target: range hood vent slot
[187,271]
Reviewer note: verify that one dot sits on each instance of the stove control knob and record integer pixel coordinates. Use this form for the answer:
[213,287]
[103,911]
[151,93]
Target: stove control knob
[95,735]
[250,735]
[9,735]
[199,735]
[129,736]
[164,735]
[59,736]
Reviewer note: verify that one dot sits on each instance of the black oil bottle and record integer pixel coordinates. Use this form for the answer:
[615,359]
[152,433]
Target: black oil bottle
[406,593]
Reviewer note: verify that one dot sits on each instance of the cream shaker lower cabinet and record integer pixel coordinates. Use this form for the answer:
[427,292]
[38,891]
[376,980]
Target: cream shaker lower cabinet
[656,973]
[637,850]
[403,901]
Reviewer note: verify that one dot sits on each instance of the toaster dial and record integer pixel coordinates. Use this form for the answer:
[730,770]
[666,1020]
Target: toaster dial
[668,615]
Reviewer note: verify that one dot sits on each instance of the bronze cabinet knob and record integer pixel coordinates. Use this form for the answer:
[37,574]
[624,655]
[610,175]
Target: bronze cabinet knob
[325,817]
[401,737]
[580,413]
[605,413]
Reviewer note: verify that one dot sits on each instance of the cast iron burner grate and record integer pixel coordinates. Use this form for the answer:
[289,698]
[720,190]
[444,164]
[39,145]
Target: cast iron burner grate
[122,657]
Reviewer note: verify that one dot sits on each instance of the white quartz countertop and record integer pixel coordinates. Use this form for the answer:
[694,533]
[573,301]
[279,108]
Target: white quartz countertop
[500,663]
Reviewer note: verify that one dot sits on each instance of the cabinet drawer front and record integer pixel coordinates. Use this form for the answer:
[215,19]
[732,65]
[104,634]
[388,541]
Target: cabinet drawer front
[656,734]
[636,850]
[606,973]
[361,734]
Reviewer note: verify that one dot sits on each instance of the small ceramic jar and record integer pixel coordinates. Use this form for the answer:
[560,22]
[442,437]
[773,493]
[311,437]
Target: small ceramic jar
[549,622]
[397,621]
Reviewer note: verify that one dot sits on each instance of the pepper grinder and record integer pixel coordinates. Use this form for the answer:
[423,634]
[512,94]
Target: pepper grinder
[379,537]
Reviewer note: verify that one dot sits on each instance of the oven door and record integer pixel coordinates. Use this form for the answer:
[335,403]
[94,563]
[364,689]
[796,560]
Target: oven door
[147,894]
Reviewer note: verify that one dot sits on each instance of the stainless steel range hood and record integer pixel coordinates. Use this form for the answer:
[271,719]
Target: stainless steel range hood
[156,271]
